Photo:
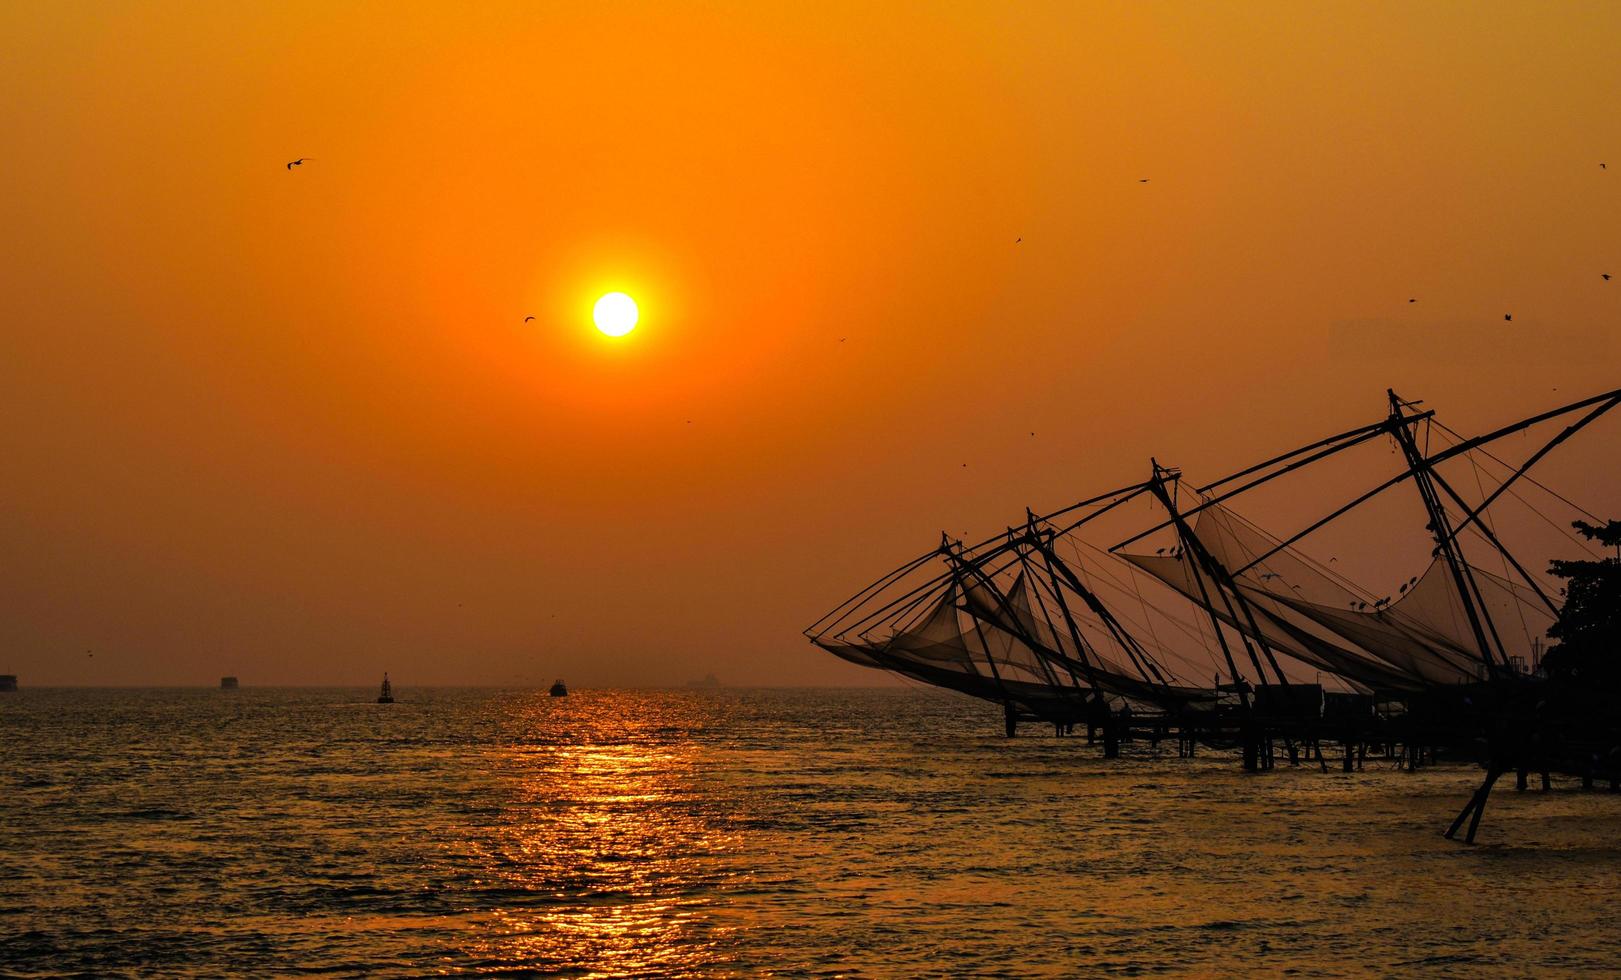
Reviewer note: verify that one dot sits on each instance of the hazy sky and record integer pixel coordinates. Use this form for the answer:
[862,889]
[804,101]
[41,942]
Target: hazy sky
[291,424]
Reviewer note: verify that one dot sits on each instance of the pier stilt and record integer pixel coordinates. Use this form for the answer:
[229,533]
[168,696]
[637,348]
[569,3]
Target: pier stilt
[1473,809]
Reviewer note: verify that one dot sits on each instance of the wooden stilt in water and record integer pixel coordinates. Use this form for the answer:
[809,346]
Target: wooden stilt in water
[1474,808]
[1011,719]
[1480,808]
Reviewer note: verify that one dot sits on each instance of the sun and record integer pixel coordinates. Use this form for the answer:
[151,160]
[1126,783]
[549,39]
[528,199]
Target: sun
[615,314]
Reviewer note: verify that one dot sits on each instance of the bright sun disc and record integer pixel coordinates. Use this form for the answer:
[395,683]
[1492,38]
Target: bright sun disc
[615,314]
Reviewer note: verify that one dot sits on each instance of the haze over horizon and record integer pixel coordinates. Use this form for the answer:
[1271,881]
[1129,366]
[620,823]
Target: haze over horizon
[290,423]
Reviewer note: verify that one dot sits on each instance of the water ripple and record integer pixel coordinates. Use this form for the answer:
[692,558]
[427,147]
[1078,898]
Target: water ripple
[741,833]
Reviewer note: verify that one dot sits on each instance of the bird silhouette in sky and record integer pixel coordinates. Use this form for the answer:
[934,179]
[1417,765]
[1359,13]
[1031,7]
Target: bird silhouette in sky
[1508,316]
[527,319]
[1142,180]
[1017,240]
[1603,167]
[299,162]
[1333,559]
[1606,276]
[1413,300]
[841,340]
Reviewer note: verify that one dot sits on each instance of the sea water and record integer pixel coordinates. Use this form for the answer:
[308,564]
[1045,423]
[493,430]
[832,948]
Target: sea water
[746,833]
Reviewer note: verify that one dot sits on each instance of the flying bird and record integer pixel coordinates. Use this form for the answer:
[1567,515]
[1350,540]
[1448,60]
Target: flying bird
[527,319]
[1412,301]
[1603,167]
[1508,316]
[1142,180]
[1017,240]
[299,162]
[1606,276]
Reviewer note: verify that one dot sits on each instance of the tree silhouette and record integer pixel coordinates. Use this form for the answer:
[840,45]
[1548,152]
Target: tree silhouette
[1589,625]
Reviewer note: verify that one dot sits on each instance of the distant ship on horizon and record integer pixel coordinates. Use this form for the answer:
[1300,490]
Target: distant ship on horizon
[387,695]
[708,682]
[8,682]
[228,684]
[559,689]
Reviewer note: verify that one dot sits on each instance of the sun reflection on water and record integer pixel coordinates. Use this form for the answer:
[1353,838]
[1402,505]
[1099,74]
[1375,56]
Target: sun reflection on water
[608,848]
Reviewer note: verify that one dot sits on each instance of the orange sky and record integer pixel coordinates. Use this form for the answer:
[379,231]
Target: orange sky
[291,425]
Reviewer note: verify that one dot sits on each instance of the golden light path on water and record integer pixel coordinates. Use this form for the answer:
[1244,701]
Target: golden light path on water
[744,833]
[619,822]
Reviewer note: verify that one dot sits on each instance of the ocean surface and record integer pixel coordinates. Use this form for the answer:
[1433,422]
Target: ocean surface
[745,833]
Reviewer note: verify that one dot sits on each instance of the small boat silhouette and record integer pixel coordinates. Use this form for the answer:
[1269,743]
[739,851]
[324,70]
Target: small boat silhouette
[559,689]
[387,695]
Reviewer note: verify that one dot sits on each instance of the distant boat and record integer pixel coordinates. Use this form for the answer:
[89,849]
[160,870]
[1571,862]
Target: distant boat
[8,682]
[710,681]
[559,689]
[228,684]
[387,695]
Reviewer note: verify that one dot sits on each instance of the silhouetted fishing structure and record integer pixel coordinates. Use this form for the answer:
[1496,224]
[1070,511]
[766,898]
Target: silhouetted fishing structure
[1227,635]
